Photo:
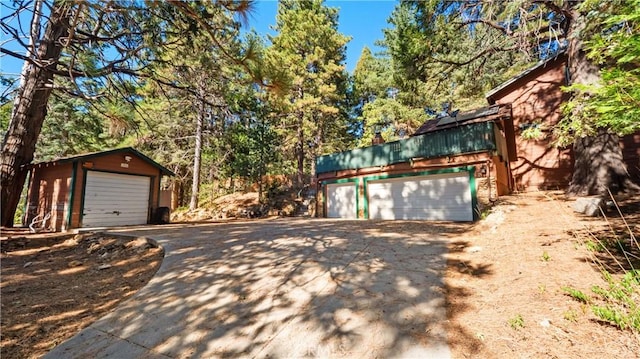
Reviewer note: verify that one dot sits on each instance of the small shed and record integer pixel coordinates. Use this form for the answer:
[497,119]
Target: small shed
[110,188]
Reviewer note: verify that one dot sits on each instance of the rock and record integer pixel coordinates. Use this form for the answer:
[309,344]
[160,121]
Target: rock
[588,205]
[104,266]
[474,249]
[73,241]
[92,237]
[28,264]
[139,243]
[545,323]
[74,264]
[93,248]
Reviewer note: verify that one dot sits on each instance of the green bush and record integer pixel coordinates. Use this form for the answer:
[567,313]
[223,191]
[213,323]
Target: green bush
[516,322]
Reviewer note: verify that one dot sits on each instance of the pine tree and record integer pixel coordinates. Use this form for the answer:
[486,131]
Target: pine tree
[609,106]
[72,127]
[438,38]
[382,105]
[86,40]
[309,52]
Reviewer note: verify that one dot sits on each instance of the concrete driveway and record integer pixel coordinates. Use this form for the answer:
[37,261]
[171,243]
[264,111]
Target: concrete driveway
[282,288]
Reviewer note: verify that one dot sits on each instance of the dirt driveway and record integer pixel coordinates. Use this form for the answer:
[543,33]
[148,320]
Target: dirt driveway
[284,288]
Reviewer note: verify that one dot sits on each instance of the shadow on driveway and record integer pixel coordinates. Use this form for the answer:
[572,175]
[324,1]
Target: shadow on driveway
[284,288]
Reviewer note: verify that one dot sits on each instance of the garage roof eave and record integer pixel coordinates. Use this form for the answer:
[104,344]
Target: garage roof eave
[165,171]
[560,55]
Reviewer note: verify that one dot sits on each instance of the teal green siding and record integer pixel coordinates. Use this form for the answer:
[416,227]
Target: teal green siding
[72,190]
[464,139]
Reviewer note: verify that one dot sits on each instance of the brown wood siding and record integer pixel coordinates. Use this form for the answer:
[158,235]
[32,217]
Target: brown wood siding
[113,163]
[501,173]
[49,194]
[537,99]
[408,167]
[631,154]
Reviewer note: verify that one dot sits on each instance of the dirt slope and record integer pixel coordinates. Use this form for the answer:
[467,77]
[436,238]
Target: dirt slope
[53,286]
[505,284]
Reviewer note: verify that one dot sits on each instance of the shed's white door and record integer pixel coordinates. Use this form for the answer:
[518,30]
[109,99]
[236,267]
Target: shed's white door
[112,199]
[341,200]
[435,197]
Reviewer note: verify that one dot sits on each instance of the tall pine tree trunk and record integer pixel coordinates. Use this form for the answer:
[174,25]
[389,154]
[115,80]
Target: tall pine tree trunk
[300,142]
[317,148]
[261,168]
[300,151]
[30,109]
[599,163]
[197,158]
[599,166]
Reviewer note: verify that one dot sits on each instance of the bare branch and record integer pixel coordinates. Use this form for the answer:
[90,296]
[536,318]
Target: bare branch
[88,37]
[487,51]
[492,24]
[16,55]
[14,34]
[35,28]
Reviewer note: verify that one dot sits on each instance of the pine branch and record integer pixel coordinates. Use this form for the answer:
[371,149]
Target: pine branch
[487,51]
[489,23]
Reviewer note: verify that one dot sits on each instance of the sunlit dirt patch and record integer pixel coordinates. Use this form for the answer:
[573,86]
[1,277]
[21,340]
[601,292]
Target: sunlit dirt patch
[505,281]
[53,286]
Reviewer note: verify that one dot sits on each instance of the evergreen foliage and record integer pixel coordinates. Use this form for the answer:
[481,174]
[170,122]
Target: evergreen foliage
[381,106]
[613,43]
[72,127]
[458,50]
[308,51]
[177,81]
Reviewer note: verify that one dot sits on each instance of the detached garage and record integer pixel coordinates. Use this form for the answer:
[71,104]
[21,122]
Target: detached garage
[111,188]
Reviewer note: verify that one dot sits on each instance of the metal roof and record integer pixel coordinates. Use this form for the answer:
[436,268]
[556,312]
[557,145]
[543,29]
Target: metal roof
[455,140]
[464,118]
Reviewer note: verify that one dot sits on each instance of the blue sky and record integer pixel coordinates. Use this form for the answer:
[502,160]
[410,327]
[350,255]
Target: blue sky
[363,20]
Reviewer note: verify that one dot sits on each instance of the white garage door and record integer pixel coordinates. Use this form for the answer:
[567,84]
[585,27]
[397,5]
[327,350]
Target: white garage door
[341,200]
[112,199]
[436,197]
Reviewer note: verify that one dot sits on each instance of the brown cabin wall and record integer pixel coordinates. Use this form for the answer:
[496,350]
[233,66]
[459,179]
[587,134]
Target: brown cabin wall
[631,153]
[48,194]
[537,98]
[113,163]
